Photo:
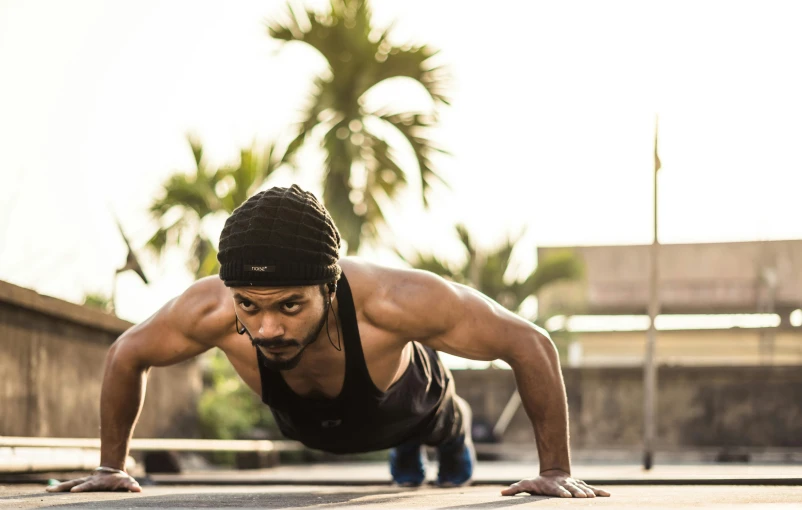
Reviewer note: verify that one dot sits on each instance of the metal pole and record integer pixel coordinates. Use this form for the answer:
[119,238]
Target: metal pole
[650,370]
[507,415]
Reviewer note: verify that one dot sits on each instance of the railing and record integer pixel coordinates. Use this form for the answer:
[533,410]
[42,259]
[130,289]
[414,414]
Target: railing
[39,454]
[144,445]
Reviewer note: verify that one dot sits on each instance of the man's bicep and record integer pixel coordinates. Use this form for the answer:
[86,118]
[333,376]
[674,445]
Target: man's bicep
[157,342]
[457,319]
[449,317]
[485,331]
[414,304]
[184,327]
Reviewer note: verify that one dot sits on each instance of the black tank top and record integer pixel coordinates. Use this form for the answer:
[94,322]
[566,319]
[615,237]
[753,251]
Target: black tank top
[361,418]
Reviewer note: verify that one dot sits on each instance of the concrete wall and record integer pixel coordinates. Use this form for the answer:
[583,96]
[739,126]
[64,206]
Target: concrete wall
[51,362]
[697,407]
[694,278]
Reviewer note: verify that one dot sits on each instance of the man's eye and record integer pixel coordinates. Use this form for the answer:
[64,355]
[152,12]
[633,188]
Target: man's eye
[290,307]
[246,305]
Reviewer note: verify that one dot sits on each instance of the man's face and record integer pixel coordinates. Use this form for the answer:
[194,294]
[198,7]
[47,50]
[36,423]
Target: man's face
[281,321]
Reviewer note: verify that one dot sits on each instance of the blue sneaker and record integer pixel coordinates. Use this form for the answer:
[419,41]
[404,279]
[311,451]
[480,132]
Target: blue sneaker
[406,465]
[457,457]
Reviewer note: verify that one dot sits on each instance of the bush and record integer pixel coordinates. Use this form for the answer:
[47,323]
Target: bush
[229,409]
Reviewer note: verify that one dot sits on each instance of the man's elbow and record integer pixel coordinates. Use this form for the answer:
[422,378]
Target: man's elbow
[536,349]
[123,356]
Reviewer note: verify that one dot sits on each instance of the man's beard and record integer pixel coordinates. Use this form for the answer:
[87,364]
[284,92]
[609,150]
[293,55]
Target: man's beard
[290,363]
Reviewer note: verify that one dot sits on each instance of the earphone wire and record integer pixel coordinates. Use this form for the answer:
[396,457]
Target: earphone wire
[337,322]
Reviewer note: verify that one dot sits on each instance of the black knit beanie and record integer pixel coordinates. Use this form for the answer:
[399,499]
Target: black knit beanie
[279,237]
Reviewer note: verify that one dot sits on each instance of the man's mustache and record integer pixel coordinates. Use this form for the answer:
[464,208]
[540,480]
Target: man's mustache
[273,343]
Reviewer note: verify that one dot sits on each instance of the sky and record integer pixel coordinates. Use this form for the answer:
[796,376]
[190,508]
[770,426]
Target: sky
[551,127]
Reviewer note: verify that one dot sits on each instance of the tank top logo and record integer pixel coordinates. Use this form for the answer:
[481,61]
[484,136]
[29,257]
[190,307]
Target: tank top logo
[327,424]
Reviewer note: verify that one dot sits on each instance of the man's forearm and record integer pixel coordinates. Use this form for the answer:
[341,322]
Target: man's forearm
[540,384]
[121,400]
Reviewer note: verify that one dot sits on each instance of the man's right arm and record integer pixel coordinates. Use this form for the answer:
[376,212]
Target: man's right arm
[183,328]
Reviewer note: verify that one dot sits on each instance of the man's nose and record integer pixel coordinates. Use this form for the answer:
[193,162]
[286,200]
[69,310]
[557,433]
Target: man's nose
[271,327]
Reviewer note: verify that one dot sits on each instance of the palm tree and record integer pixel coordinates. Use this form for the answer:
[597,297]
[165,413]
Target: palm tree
[362,173]
[188,199]
[485,271]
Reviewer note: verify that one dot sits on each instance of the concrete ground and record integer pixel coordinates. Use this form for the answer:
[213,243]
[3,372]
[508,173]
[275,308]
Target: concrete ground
[365,485]
[481,497]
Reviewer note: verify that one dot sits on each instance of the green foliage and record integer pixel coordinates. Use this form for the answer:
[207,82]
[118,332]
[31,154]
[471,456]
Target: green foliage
[97,301]
[486,270]
[189,198]
[228,408]
[359,57]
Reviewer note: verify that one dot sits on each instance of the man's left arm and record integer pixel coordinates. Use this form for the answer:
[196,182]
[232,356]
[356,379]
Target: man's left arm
[458,320]
[536,365]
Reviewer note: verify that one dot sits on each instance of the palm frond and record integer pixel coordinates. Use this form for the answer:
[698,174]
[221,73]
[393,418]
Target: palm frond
[557,266]
[197,150]
[465,238]
[163,236]
[192,195]
[374,214]
[317,30]
[431,263]
[244,176]
[320,100]
[495,266]
[204,258]
[414,63]
[158,241]
[385,172]
[410,125]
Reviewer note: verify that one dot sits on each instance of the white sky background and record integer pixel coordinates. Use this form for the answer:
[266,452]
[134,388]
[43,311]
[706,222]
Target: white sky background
[551,125]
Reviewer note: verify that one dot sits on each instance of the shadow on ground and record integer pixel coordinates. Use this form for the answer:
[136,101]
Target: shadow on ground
[507,502]
[391,497]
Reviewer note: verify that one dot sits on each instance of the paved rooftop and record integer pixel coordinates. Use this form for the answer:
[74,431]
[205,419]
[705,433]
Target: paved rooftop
[365,485]
[482,497]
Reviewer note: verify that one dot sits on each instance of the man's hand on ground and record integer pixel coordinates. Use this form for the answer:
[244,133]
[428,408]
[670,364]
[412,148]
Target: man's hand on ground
[99,482]
[555,483]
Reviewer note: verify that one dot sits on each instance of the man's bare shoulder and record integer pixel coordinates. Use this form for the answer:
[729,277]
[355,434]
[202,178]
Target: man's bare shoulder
[205,311]
[370,281]
[398,299]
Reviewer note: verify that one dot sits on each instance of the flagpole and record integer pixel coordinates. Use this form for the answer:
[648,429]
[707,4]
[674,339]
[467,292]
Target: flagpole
[650,370]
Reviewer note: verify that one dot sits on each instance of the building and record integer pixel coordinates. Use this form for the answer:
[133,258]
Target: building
[721,303]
